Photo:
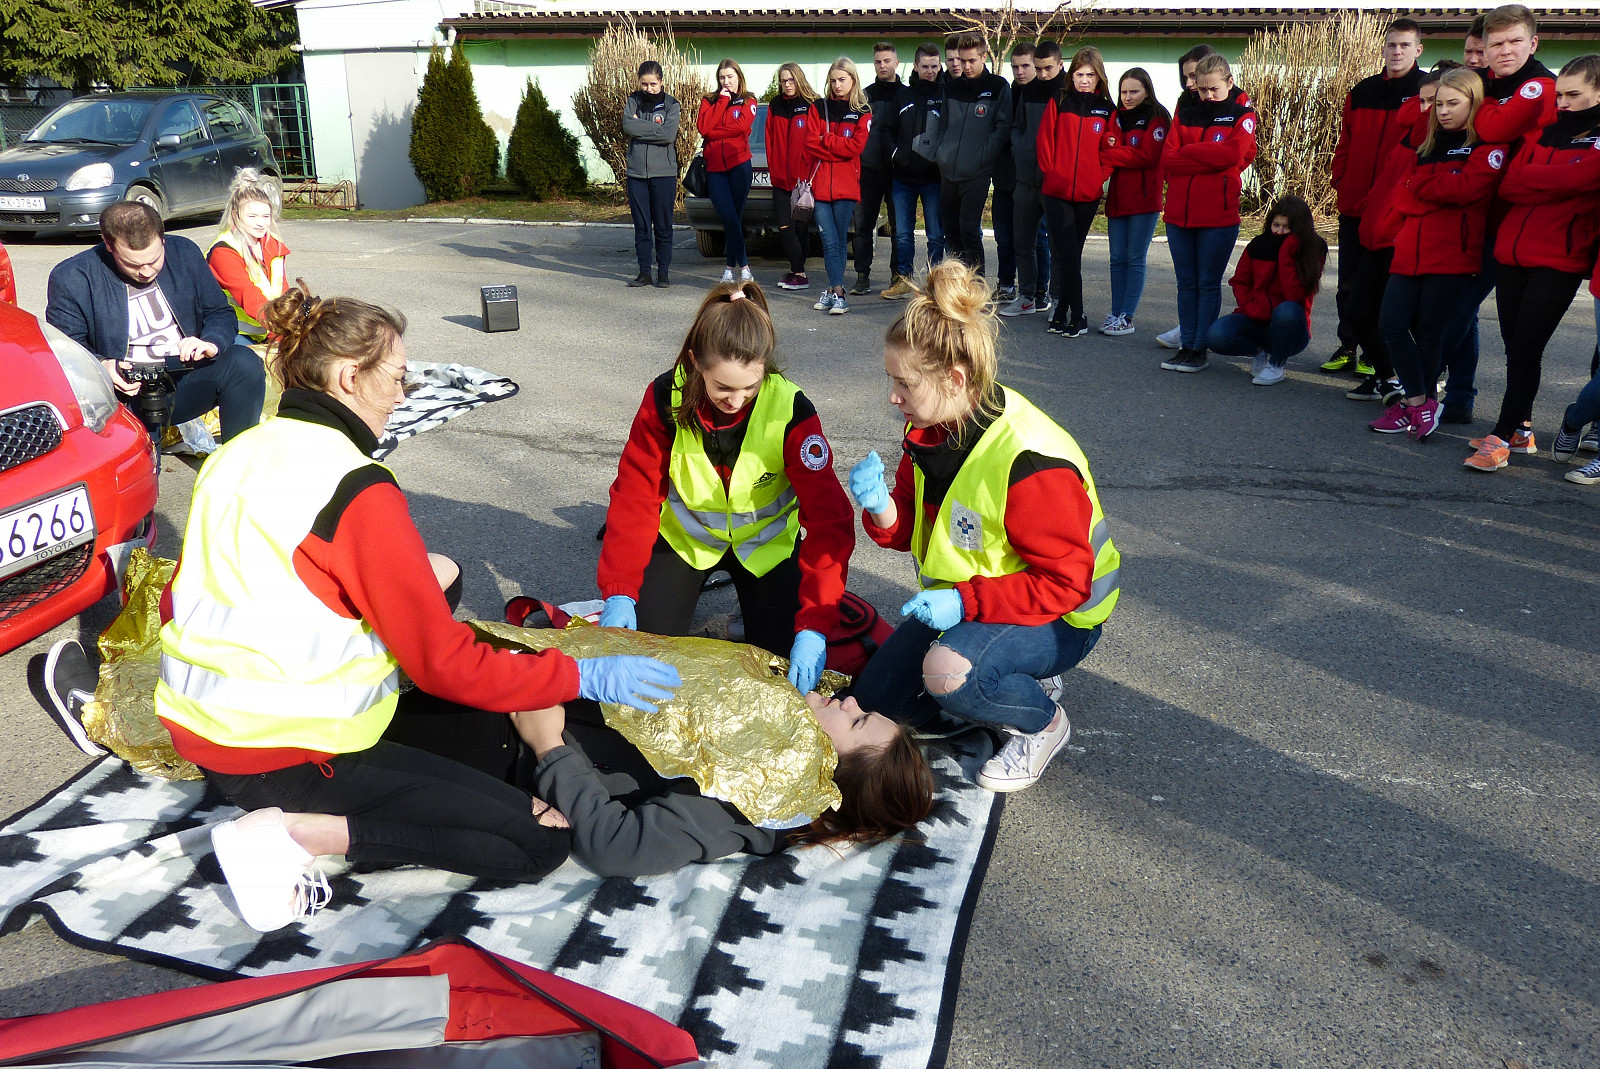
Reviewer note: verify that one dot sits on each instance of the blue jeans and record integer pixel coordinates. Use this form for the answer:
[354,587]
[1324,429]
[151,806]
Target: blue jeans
[1130,248]
[728,191]
[1281,337]
[1199,259]
[1460,354]
[650,204]
[1002,688]
[833,219]
[234,382]
[905,223]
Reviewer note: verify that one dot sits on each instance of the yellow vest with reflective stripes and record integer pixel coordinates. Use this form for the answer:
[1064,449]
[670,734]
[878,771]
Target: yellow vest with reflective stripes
[757,513]
[273,285]
[251,657]
[968,536]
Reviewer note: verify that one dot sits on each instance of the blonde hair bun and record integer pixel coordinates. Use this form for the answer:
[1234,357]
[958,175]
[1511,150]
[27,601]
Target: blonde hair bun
[948,322]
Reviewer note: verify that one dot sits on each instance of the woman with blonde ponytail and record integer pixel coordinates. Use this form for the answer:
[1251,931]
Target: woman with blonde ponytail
[248,256]
[996,504]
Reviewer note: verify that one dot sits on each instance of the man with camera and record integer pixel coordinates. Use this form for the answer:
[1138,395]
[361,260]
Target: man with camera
[150,308]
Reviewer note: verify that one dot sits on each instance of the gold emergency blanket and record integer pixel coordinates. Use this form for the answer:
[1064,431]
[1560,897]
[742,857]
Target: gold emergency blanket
[736,726]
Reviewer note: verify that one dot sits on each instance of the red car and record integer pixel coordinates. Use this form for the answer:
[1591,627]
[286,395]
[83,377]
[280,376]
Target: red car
[77,479]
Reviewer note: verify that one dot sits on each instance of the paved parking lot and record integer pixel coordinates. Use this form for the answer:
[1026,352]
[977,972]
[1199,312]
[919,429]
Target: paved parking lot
[1336,793]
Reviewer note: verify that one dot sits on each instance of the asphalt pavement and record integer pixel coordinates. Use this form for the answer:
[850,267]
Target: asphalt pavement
[1333,797]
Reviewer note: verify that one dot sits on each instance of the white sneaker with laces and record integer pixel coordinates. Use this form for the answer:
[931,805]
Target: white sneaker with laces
[727,274]
[1054,687]
[1257,362]
[745,275]
[1172,339]
[824,302]
[70,681]
[1123,328]
[271,876]
[1268,376]
[1110,324]
[1022,760]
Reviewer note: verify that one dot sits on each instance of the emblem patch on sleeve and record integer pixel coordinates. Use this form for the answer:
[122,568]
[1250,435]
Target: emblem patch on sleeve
[966,528]
[1532,90]
[814,452]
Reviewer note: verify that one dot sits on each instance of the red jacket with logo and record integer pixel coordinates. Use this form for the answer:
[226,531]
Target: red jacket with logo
[787,119]
[725,124]
[1378,226]
[1135,160]
[1073,135]
[1442,201]
[1517,104]
[1265,277]
[1371,127]
[1552,192]
[1209,146]
[836,136]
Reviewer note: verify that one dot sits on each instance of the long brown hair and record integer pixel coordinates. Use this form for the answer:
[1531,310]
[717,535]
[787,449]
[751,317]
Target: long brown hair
[888,790]
[741,90]
[802,85]
[310,334]
[1313,253]
[1089,56]
[727,327]
[1142,76]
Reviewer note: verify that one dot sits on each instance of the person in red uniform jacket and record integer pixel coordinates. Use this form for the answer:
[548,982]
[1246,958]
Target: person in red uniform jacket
[1441,201]
[1519,93]
[1073,135]
[1211,142]
[725,120]
[1133,200]
[1275,282]
[789,112]
[1547,241]
[725,362]
[1369,130]
[835,140]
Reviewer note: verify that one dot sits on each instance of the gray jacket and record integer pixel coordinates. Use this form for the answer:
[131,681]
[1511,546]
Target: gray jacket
[1028,104]
[652,130]
[974,126]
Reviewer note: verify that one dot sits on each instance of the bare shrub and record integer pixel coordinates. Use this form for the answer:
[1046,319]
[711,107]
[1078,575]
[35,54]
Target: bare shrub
[614,73]
[1004,27]
[1298,77]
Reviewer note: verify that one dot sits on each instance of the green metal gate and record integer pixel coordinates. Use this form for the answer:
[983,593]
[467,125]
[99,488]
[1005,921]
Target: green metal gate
[280,111]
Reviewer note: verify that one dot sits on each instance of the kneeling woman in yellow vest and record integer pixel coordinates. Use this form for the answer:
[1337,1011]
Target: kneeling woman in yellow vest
[303,589]
[725,463]
[996,503]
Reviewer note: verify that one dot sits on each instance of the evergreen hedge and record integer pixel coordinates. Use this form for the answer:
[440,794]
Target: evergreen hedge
[542,158]
[453,151]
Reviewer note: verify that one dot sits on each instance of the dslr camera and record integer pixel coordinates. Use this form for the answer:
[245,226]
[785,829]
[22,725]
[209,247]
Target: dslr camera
[154,403]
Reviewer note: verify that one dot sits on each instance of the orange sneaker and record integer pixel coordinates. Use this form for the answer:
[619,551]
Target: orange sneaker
[1492,455]
[1521,441]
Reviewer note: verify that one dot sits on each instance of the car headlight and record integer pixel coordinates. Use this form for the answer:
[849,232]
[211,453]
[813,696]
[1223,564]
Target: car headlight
[97,399]
[94,176]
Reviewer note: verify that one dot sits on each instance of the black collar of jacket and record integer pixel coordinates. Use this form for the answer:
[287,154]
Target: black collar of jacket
[1080,103]
[926,88]
[1040,90]
[788,107]
[314,406]
[839,110]
[1444,143]
[1266,246]
[970,89]
[1571,126]
[883,92]
[1199,112]
[1500,88]
[650,100]
[1139,113]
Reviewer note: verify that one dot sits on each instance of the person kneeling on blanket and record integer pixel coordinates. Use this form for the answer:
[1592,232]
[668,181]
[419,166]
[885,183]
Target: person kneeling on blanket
[304,588]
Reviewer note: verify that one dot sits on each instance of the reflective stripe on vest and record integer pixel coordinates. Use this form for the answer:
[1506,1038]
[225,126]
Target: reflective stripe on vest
[272,287]
[968,536]
[251,657]
[757,514]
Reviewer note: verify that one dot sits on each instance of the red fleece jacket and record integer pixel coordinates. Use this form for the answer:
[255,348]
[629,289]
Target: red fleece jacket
[725,124]
[226,263]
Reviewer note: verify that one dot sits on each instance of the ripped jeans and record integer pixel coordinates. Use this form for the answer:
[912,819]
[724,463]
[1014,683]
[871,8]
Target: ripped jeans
[1001,688]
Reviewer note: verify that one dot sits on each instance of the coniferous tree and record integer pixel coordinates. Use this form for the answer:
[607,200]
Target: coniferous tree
[453,151]
[542,158]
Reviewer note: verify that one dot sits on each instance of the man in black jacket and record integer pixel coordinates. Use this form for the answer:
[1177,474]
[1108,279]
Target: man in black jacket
[911,124]
[876,168]
[974,128]
[1029,97]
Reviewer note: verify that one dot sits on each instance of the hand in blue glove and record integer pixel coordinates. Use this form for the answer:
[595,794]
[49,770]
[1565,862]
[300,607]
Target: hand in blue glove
[939,609]
[627,680]
[867,485]
[806,658]
[618,612]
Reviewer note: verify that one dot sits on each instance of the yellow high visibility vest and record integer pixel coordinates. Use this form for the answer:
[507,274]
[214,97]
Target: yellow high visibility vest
[272,284]
[251,657]
[968,536]
[757,514]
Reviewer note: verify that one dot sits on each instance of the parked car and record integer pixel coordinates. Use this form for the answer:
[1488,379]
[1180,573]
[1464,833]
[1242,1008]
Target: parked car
[177,152]
[77,479]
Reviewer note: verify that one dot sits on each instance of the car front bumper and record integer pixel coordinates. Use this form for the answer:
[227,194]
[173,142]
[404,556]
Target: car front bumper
[64,211]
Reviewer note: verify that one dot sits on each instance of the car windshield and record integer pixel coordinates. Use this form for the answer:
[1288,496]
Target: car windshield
[92,121]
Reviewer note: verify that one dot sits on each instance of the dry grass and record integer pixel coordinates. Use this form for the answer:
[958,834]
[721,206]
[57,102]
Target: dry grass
[1298,77]
[613,74]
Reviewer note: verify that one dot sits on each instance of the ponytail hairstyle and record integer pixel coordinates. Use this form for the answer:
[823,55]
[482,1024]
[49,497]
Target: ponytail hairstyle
[1585,67]
[249,187]
[1313,252]
[311,334]
[1469,84]
[732,324]
[949,322]
[1215,63]
[802,85]
[1142,76]
[1089,56]
[858,97]
[886,791]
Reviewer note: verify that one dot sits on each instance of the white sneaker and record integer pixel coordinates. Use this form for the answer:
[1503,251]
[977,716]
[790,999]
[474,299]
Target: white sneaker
[1123,328]
[1268,376]
[1172,339]
[1054,687]
[727,274]
[1110,324]
[1257,362]
[824,302]
[1022,760]
[270,875]
[745,275]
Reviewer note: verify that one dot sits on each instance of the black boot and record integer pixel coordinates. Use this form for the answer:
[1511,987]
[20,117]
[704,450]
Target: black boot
[643,279]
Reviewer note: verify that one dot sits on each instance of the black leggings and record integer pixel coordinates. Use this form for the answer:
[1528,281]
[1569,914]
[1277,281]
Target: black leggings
[409,807]
[1531,301]
[1359,309]
[1416,313]
[796,237]
[1069,228]
[769,603]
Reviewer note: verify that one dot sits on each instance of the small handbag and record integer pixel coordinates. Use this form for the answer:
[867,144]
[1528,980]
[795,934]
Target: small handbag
[694,179]
[802,202]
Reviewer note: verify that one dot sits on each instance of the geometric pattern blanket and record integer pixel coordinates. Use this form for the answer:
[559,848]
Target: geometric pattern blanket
[436,394]
[811,957]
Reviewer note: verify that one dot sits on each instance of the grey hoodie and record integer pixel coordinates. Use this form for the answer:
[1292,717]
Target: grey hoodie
[974,126]
[651,124]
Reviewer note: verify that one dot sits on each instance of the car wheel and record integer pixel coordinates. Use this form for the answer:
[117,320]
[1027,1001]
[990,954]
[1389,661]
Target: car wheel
[274,186]
[146,195]
[711,242]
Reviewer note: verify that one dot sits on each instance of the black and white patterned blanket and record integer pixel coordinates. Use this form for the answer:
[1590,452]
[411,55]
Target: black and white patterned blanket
[808,958]
[436,394]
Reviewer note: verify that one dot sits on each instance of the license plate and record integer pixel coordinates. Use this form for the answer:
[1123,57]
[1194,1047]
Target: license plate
[761,180]
[21,204]
[45,528]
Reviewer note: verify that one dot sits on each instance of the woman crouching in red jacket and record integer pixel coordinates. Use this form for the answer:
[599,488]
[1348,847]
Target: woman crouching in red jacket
[1441,202]
[1276,280]
[834,142]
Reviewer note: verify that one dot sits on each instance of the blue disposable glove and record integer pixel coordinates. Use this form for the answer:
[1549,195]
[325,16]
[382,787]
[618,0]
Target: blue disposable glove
[806,658]
[618,612]
[939,609]
[867,485]
[627,680]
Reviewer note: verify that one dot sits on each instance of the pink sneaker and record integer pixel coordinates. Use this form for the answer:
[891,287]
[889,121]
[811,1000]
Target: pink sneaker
[1425,419]
[1395,420]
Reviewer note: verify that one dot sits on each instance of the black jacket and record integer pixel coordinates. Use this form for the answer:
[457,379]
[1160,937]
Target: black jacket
[974,126]
[879,153]
[915,113]
[1027,109]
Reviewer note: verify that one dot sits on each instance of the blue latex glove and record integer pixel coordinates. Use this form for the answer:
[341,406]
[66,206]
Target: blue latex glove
[806,658]
[627,680]
[618,612]
[867,485]
[939,609]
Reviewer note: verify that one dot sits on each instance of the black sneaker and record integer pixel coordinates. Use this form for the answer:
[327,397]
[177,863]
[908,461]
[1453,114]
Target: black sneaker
[70,680]
[1189,360]
[863,285]
[1058,323]
[1368,389]
[1392,392]
[642,279]
[1459,414]
[661,281]
[1006,293]
[1077,327]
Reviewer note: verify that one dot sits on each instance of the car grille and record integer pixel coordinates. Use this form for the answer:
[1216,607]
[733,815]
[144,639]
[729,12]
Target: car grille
[43,581]
[31,218]
[32,185]
[27,433]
